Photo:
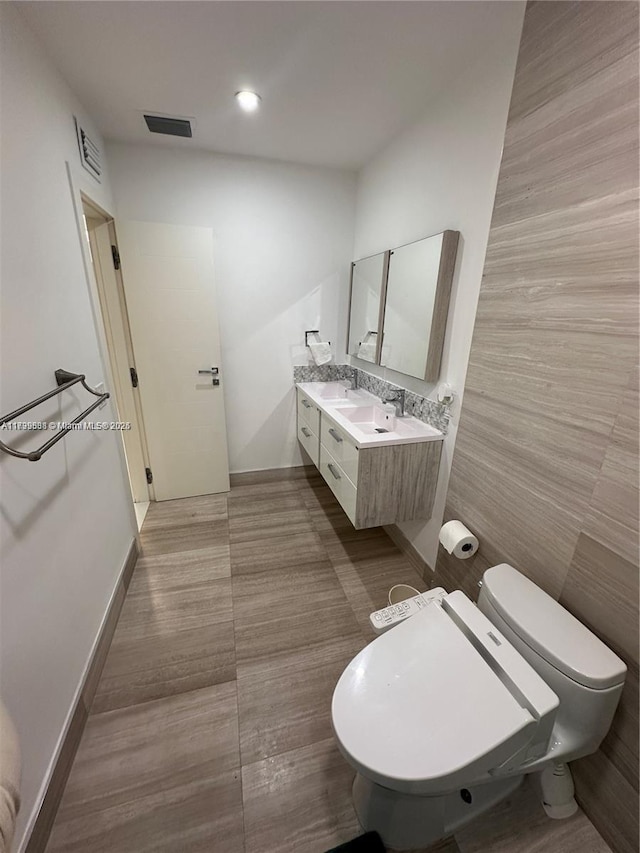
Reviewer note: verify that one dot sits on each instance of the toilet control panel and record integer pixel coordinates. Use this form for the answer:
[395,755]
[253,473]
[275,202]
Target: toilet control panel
[392,615]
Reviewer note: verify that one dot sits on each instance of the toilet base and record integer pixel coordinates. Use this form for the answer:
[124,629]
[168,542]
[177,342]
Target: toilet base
[411,821]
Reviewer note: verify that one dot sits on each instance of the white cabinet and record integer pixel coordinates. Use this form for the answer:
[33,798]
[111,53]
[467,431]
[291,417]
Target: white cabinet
[309,412]
[309,427]
[340,446]
[337,480]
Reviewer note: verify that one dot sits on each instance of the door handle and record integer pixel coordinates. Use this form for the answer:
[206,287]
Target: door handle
[213,372]
[333,471]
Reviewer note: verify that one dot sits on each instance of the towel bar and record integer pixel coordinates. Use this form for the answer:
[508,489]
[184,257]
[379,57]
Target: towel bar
[64,380]
[312,332]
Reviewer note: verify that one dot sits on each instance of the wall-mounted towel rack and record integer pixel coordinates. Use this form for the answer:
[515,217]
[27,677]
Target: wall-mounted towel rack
[64,380]
[313,332]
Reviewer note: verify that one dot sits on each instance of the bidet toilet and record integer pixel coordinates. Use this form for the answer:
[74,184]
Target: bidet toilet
[444,715]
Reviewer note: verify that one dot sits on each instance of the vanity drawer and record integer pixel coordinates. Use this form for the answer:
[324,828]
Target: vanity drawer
[309,412]
[339,483]
[341,446]
[309,440]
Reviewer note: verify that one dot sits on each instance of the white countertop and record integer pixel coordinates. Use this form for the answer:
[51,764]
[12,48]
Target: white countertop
[361,414]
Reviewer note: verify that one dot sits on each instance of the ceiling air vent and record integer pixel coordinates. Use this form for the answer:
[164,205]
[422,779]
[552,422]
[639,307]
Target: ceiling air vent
[90,154]
[168,125]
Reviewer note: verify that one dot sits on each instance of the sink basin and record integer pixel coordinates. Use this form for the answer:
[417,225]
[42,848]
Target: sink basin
[374,416]
[331,392]
[371,425]
[363,416]
[334,391]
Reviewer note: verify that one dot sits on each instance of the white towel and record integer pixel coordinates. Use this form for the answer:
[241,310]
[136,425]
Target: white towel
[321,352]
[367,350]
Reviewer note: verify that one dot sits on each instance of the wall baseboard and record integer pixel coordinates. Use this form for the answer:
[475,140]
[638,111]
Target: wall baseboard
[49,807]
[415,558]
[272,475]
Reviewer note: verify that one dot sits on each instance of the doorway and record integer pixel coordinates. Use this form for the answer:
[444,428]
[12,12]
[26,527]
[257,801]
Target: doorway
[103,248]
[159,314]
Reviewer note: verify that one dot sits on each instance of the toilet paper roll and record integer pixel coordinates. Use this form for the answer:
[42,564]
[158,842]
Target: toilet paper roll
[458,540]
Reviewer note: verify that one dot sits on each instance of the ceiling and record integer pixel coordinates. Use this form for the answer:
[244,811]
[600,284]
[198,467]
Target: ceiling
[338,79]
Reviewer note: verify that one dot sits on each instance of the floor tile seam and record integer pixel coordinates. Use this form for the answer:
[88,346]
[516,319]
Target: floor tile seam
[321,564]
[286,534]
[89,808]
[243,622]
[209,524]
[168,524]
[335,657]
[266,536]
[163,698]
[238,717]
[156,697]
[172,633]
[281,752]
[184,586]
[186,663]
[171,553]
[342,586]
[268,503]
[242,564]
[135,637]
[237,697]
[185,551]
[330,741]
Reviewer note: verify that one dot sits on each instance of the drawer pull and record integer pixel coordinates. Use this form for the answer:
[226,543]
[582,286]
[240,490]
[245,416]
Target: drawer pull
[333,471]
[306,404]
[334,435]
[305,432]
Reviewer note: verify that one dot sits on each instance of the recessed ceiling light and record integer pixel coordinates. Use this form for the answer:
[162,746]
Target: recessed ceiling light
[248,101]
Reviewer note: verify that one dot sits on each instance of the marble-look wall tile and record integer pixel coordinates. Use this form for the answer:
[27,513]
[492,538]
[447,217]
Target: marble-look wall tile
[324,373]
[545,469]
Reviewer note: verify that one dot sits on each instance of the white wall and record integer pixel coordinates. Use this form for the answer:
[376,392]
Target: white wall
[283,242]
[65,521]
[440,174]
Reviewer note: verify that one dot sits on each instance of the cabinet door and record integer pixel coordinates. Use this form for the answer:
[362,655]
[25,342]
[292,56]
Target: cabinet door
[339,483]
[341,446]
[309,440]
[308,411]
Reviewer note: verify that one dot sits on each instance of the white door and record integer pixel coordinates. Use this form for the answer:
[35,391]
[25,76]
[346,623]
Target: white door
[170,291]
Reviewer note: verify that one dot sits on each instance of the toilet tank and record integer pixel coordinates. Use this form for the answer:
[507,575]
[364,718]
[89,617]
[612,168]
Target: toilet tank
[584,673]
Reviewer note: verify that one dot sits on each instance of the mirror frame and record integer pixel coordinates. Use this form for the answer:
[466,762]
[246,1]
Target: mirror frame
[444,282]
[383,298]
[441,300]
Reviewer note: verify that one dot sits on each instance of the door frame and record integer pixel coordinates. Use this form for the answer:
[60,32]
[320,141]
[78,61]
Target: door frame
[77,199]
[120,352]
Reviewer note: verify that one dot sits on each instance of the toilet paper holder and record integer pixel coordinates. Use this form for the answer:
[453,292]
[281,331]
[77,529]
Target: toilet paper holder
[458,540]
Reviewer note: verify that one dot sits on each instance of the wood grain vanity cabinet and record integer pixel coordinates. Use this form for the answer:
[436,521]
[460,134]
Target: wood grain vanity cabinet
[374,485]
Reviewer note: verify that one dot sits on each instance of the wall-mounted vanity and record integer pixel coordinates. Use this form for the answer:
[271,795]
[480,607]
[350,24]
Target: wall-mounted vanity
[399,304]
[381,468]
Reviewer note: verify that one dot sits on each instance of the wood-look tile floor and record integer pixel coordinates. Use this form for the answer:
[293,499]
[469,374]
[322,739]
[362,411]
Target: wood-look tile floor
[210,729]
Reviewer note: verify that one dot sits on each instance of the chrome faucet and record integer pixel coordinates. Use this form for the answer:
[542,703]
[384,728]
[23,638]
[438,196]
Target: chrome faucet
[397,398]
[354,380]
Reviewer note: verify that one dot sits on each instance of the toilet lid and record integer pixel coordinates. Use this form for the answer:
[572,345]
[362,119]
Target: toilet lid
[420,710]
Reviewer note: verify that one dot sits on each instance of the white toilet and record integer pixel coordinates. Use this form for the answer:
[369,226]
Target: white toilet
[444,714]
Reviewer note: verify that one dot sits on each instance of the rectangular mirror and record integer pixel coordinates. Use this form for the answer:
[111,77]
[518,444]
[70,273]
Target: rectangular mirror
[368,278]
[416,305]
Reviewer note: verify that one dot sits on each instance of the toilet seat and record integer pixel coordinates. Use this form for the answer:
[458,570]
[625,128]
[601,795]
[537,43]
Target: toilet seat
[439,701]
